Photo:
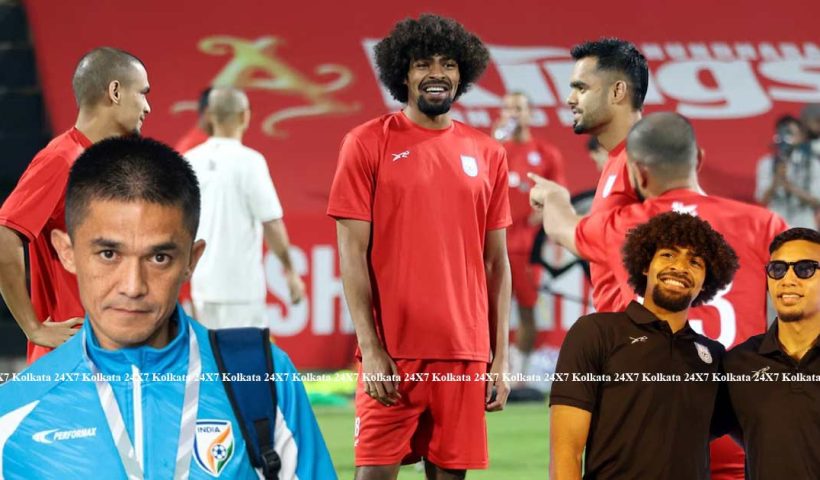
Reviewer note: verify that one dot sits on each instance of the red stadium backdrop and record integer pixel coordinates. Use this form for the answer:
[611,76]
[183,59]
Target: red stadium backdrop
[730,67]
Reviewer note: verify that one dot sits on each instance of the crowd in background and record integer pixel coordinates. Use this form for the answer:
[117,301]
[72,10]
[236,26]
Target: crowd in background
[788,178]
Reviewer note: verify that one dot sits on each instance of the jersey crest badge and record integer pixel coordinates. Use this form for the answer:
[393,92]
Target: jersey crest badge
[469,165]
[703,353]
[534,158]
[213,445]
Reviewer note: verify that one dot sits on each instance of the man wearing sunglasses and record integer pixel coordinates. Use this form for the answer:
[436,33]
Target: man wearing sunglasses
[774,378]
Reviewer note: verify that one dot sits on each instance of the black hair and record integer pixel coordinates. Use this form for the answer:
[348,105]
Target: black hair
[793,234]
[614,54]
[129,169]
[672,229]
[787,119]
[202,103]
[429,35]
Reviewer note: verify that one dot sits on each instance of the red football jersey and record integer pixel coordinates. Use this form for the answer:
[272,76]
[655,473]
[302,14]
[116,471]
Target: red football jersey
[614,190]
[191,139]
[735,313]
[34,209]
[431,196]
[524,157]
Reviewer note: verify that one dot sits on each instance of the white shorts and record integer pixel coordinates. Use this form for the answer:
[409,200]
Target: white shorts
[231,315]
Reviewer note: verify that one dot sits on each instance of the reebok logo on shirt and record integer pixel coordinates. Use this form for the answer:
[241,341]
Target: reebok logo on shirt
[403,154]
[638,339]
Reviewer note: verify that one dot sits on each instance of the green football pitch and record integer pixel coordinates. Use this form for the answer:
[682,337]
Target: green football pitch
[518,439]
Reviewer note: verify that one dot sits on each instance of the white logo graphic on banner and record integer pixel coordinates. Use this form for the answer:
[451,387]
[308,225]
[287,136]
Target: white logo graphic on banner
[469,165]
[706,80]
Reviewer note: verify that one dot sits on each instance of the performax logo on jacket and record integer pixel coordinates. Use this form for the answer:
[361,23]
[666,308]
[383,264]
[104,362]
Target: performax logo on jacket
[57,435]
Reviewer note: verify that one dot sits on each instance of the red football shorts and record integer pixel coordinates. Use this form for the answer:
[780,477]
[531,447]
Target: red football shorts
[437,418]
[524,279]
[728,459]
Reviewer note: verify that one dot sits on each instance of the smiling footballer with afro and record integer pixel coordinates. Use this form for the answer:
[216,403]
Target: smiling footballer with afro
[672,229]
[429,35]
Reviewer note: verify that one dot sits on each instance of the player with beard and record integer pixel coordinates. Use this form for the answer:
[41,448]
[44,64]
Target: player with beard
[608,87]
[111,88]
[421,203]
[626,399]
[776,412]
[663,160]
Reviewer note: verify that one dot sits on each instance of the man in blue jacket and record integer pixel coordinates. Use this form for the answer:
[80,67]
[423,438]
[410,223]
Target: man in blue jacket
[136,393]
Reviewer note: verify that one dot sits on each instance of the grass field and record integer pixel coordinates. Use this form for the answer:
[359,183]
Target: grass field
[517,442]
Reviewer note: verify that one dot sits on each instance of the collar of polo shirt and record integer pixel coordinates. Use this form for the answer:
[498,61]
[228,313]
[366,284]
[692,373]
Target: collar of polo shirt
[641,316]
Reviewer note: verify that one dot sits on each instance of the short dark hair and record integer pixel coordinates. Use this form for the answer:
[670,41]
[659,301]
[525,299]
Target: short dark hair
[787,119]
[665,143]
[793,234]
[130,169]
[202,103]
[429,35]
[97,69]
[614,54]
[672,229]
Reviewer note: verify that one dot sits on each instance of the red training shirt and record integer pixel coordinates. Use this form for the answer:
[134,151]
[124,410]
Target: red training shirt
[732,315]
[34,209]
[431,196]
[542,159]
[614,190]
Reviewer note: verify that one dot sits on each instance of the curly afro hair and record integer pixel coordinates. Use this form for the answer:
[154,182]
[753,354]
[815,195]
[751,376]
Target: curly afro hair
[674,229]
[429,35]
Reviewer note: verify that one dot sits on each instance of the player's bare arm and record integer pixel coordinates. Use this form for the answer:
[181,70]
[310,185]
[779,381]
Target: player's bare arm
[559,217]
[499,288]
[354,239]
[276,238]
[569,427]
[15,294]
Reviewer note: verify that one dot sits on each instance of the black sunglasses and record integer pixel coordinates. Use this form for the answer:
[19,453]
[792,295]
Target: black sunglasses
[804,269]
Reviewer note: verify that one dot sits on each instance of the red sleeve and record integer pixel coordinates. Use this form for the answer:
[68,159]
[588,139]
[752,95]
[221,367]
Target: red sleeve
[36,196]
[554,165]
[776,226]
[599,236]
[498,211]
[351,195]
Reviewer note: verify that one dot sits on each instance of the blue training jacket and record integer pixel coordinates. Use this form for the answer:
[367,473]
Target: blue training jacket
[53,426]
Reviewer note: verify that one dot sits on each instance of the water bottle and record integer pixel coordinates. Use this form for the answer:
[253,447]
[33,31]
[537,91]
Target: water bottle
[505,130]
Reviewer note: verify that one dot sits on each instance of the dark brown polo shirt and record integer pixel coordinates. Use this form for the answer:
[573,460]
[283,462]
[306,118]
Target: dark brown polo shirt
[651,394]
[776,402]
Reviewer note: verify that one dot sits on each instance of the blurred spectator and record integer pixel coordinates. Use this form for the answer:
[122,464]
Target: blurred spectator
[203,128]
[597,153]
[810,116]
[240,208]
[525,154]
[788,180]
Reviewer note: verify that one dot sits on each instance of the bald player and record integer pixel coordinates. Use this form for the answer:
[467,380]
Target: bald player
[110,88]
[239,208]
[663,162]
